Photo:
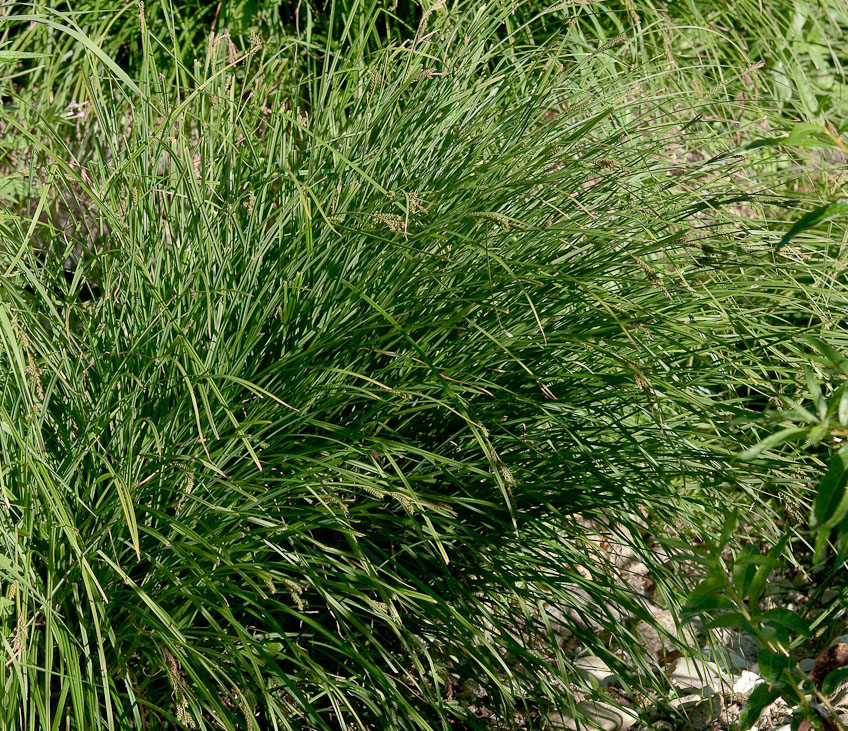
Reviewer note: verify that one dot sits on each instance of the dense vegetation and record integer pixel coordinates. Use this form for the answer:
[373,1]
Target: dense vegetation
[327,329]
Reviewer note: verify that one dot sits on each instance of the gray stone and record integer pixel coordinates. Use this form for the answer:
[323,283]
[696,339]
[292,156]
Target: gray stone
[807,664]
[686,701]
[658,642]
[558,722]
[725,658]
[597,715]
[699,712]
[698,676]
[585,613]
[607,716]
[595,671]
[741,643]
[828,595]
[473,691]
[637,576]
[839,697]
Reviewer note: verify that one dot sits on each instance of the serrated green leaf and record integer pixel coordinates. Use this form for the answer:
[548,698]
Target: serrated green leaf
[709,603]
[710,585]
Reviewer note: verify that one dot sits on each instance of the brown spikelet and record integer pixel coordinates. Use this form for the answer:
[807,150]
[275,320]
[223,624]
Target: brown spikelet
[392,221]
[178,687]
[619,40]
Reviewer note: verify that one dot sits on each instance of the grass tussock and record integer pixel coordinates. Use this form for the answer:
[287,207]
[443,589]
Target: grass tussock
[322,339]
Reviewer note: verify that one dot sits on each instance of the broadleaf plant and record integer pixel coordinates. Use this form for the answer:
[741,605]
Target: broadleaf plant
[730,595]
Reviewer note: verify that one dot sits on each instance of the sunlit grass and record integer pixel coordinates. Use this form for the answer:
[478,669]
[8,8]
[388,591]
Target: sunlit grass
[315,363]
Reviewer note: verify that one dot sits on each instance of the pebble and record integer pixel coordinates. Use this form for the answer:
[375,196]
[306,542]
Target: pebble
[828,595]
[472,690]
[658,642]
[807,664]
[700,712]
[746,683]
[606,716]
[740,643]
[725,658]
[637,576]
[585,614]
[597,714]
[698,676]
[687,701]
[595,671]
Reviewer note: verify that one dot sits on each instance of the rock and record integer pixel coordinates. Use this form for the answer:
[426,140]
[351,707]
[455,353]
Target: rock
[620,550]
[774,716]
[608,716]
[700,712]
[740,643]
[828,595]
[698,676]
[807,664]
[746,683]
[595,671]
[472,691]
[637,576]
[839,698]
[658,642]
[597,714]
[558,722]
[584,613]
[724,658]
[686,701]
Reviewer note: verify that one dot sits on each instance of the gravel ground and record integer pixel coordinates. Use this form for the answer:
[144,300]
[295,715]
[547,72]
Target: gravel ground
[710,678]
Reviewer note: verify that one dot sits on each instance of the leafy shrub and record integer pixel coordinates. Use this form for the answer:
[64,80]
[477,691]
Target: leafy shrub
[731,594]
